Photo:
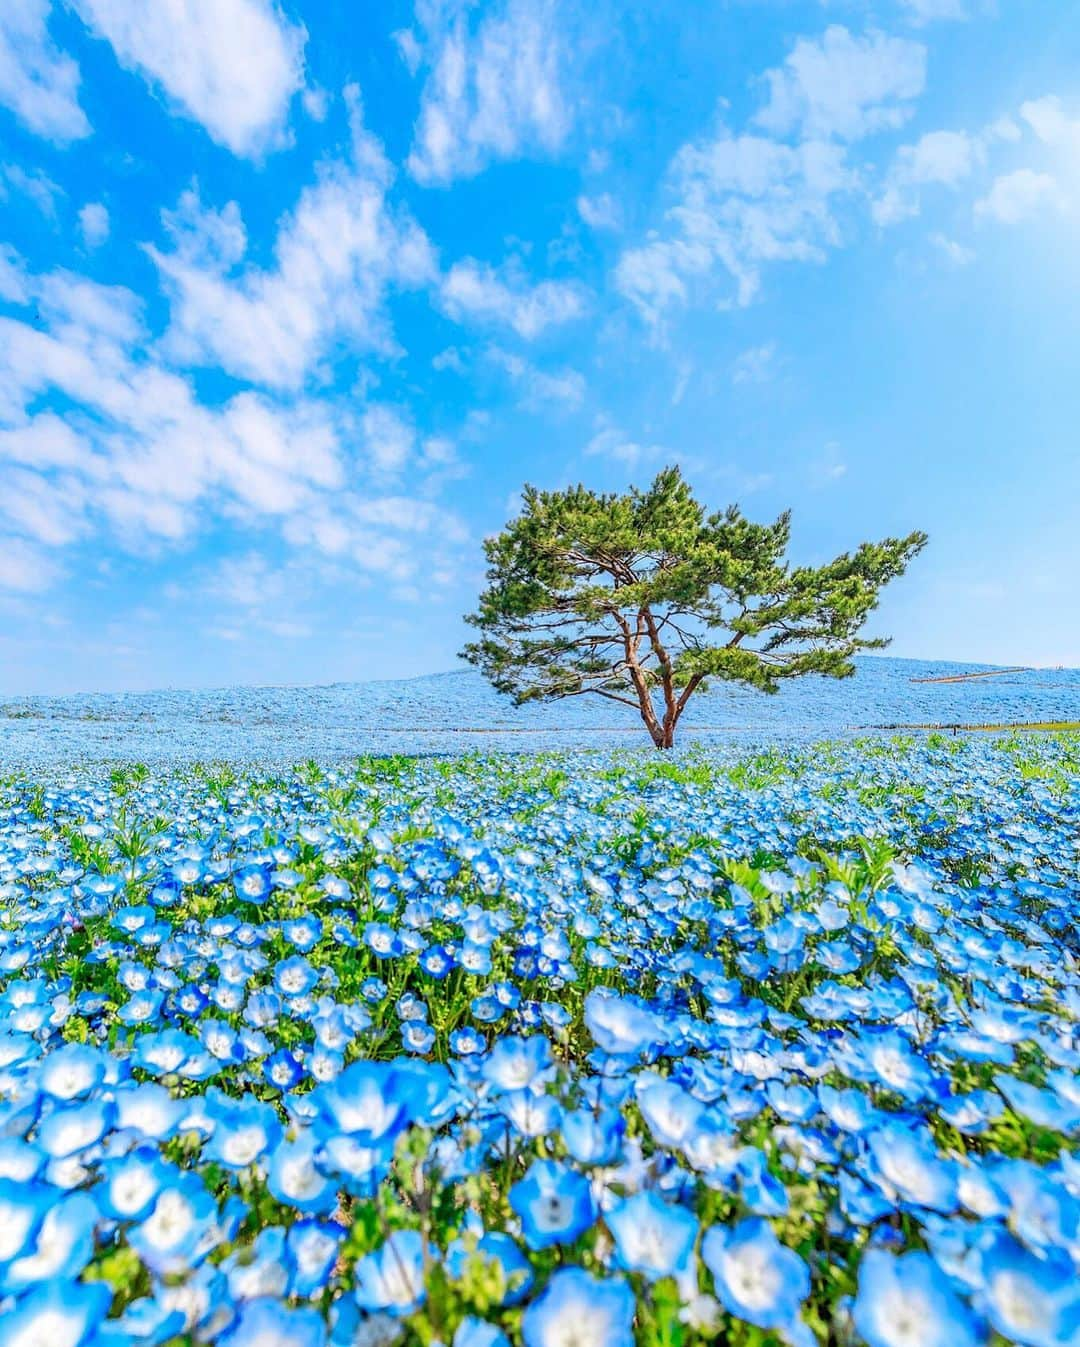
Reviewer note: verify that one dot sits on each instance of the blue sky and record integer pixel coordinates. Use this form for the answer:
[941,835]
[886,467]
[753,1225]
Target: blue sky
[294,297]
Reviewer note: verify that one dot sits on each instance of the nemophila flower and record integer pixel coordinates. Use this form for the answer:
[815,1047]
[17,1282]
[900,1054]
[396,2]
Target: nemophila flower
[130,1185]
[282,1070]
[302,932]
[971,1113]
[554,1204]
[593,1138]
[22,1207]
[473,1332]
[580,1309]
[141,1008]
[467,1042]
[148,1111]
[1045,1108]
[532,1115]
[670,1112]
[259,1269]
[1041,1210]
[756,1277]
[252,883]
[19,1160]
[367,1102]
[392,1279]
[59,1314]
[164,1053]
[266,1323]
[167,1239]
[220,1040]
[515,1063]
[61,1247]
[904,1163]
[620,1025]
[245,1131]
[382,940]
[761,1190]
[75,1127]
[907,1301]
[312,1250]
[492,1248]
[417,1037]
[652,1236]
[71,1071]
[1028,1298]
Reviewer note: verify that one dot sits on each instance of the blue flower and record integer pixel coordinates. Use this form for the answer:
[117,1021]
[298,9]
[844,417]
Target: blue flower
[312,1248]
[493,1247]
[245,1131]
[266,1323]
[392,1279]
[296,1179]
[757,1278]
[904,1163]
[167,1239]
[652,1236]
[57,1312]
[1029,1299]
[252,883]
[62,1245]
[515,1063]
[907,1301]
[619,1024]
[473,1332]
[578,1308]
[554,1203]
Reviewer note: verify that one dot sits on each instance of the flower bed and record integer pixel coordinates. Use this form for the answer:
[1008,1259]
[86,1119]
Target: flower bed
[572,1050]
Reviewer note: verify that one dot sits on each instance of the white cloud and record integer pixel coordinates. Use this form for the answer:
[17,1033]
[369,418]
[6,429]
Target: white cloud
[844,87]
[139,458]
[1053,126]
[829,467]
[740,202]
[1020,195]
[1050,187]
[540,387]
[335,257]
[613,443]
[450,358]
[755,365]
[94,224]
[37,81]
[925,11]
[504,296]
[389,436]
[944,158]
[493,87]
[957,253]
[232,65]
[33,186]
[599,212]
[24,568]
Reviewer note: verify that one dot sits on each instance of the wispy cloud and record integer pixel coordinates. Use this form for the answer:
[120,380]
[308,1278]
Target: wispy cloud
[843,86]
[492,88]
[336,255]
[755,365]
[231,65]
[504,296]
[38,82]
[138,457]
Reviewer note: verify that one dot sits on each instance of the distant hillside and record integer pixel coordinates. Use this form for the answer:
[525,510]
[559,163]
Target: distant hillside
[452,711]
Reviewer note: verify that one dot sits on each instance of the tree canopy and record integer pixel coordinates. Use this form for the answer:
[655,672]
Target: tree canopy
[643,597]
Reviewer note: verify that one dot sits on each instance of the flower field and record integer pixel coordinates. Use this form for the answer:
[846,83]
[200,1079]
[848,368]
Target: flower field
[581,1050]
